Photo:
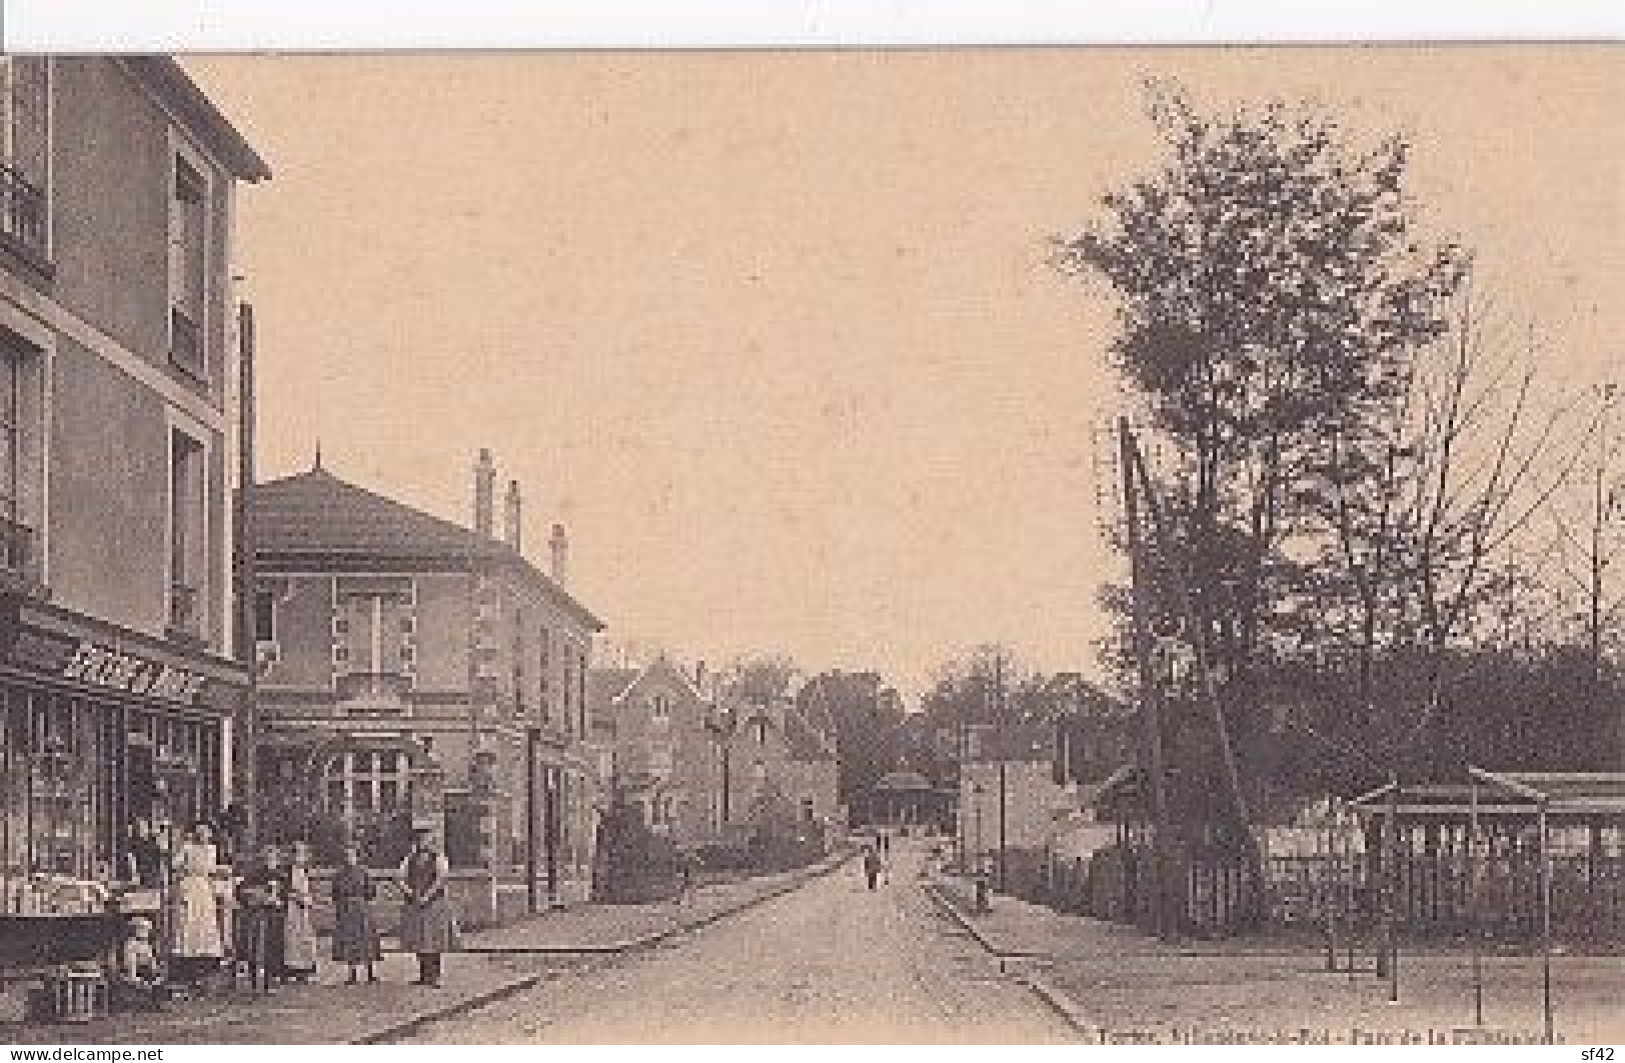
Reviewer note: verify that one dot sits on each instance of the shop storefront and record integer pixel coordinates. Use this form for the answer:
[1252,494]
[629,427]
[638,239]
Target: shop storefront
[111,744]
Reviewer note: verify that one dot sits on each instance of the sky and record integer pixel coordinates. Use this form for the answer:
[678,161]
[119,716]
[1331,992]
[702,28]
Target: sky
[773,334]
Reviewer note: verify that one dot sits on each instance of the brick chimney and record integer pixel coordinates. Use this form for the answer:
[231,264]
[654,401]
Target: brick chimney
[485,486]
[559,547]
[512,518]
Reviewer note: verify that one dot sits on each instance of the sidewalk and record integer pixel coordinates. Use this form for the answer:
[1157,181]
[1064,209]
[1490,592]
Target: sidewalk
[610,928]
[494,964]
[1121,985]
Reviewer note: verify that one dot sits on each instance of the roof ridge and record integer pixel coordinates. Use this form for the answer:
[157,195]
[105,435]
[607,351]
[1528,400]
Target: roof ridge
[324,473]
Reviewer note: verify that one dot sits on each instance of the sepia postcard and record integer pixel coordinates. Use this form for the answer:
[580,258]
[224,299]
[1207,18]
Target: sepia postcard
[932,546]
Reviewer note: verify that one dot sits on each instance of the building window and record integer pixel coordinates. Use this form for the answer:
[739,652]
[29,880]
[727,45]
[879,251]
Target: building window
[660,709]
[264,616]
[187,553]
[544,669]
[518,658]
[758,730]
[374,638]
[16,537]
[25,156]
[363,784]
[581,693]
[188,266]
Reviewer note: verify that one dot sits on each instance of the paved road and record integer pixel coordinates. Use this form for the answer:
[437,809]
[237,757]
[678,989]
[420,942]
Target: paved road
[830,962]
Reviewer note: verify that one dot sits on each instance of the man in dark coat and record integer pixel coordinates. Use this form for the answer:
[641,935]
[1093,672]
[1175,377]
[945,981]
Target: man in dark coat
[428,925]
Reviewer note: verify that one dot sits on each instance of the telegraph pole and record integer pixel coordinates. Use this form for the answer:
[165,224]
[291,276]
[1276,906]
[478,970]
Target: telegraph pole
[245,785]
[1001,744]
[1150,695]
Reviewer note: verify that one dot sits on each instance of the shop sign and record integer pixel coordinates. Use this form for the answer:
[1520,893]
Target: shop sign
[65,656]
[97,666]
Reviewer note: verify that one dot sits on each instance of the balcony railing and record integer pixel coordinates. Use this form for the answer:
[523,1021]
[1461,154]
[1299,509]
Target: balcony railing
[185,342]
[22,215]
[374,693]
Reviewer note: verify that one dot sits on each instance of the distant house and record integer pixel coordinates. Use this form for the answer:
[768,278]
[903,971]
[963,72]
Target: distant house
[704,766]
[417,672]
[652,724]
[1021,777]
[779,752]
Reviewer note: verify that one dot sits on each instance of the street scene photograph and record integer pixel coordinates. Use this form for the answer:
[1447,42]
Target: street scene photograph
[1075,545]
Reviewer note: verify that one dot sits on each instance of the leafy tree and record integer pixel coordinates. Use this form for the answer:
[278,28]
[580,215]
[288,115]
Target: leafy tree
[1270,288]
[868,718]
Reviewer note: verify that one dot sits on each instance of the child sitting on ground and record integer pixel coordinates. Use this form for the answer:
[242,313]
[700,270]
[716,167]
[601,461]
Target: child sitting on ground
[139,981]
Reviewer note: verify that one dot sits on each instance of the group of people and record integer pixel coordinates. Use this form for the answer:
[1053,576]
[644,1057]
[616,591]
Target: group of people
[260,919]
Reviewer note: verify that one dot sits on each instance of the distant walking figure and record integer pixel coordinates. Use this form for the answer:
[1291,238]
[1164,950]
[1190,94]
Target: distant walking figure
[871,866]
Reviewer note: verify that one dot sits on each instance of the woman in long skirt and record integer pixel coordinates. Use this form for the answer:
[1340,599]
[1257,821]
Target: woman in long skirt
[355,934]
[298,934]
[262,919]
[196,947]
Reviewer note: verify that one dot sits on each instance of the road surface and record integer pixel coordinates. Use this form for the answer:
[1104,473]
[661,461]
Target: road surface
[831,962]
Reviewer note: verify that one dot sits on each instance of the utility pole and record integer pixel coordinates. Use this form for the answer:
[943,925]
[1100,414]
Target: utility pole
[1001,741]
[246,753]
[1150,699]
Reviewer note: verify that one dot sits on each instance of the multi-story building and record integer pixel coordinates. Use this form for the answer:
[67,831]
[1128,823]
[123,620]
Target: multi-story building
[120,377]
[415,672]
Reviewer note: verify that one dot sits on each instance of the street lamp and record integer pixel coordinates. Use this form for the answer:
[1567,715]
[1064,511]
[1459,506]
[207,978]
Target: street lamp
[721,725]
[979,869]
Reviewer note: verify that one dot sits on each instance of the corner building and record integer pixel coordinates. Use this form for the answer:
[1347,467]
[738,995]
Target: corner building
[417,673]
[120,379]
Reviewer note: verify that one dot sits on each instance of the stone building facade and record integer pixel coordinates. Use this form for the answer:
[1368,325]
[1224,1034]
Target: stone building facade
[414,672]
[121,679]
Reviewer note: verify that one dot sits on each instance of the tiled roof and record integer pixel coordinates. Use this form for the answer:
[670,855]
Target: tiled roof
[316,514]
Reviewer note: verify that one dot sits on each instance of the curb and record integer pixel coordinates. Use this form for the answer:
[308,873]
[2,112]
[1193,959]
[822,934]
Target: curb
[479,1000]
[1041,987]
[518,985]
[1063,1005]
[655,937]
[949,905]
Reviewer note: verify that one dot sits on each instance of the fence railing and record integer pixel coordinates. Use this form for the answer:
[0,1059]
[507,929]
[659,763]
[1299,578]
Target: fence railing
[1434,894]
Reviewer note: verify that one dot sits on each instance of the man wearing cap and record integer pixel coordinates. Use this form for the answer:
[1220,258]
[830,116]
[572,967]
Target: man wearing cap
[428,926]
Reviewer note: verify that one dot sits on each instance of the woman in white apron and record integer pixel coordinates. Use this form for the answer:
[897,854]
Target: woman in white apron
[299,934]
[196,946]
